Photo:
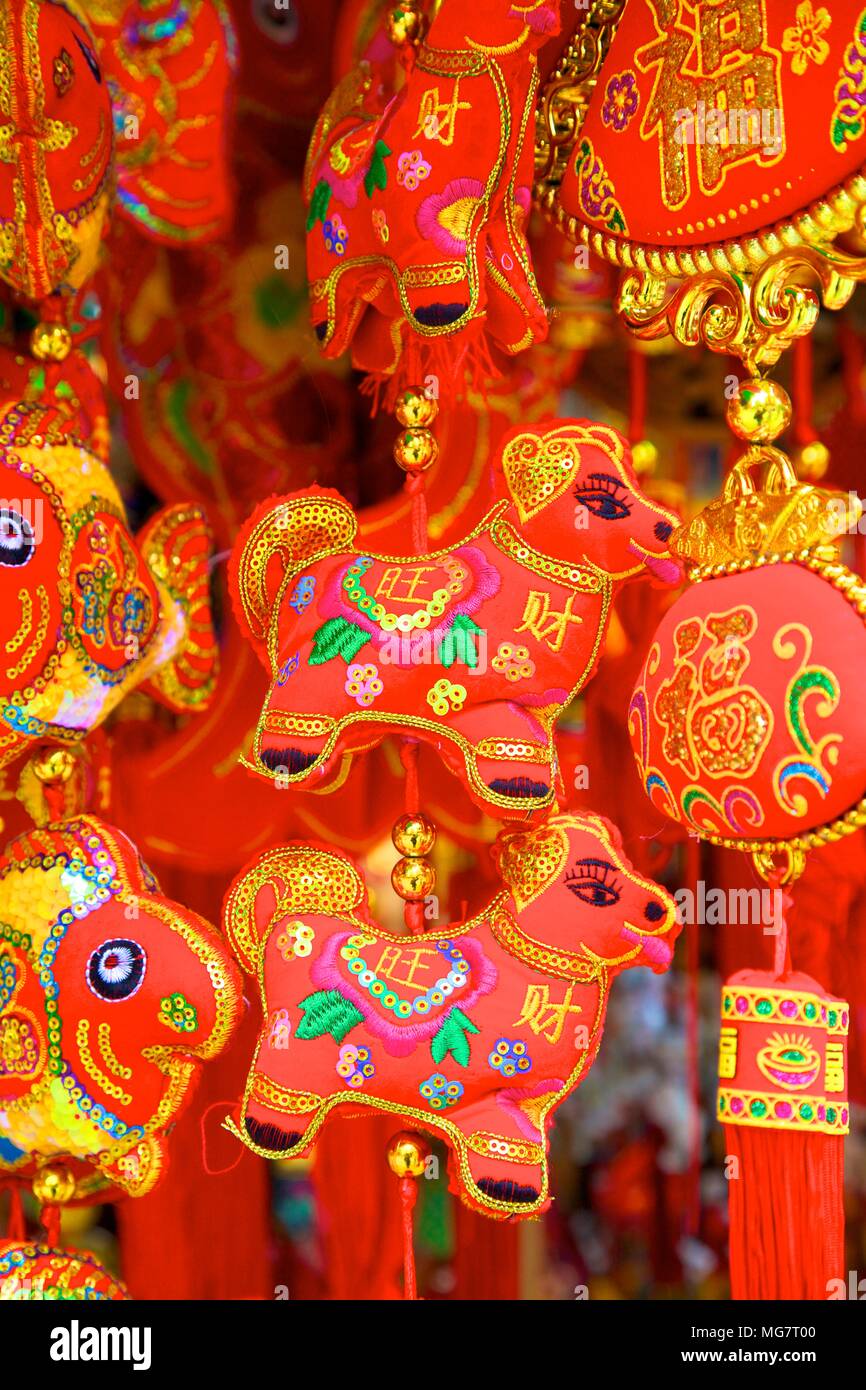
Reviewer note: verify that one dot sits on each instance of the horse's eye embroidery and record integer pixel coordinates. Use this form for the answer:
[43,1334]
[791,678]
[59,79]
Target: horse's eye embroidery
[116,969]
[594,881]
[17,542]
[604,496]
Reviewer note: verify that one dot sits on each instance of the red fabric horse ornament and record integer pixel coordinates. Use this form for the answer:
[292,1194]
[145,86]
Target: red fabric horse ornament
[419,197]
[111,997]
[476,1032]
[476,649]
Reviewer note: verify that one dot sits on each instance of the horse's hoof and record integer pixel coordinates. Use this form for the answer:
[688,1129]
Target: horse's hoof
[519,786]
[288,760]
[439,315]
[504,1190]
[269,1136]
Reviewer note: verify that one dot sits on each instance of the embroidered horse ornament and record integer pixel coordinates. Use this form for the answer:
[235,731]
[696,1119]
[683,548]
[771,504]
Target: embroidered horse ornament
[111,997]
[477,648]
[87,612]
[476,1032]
[419,198]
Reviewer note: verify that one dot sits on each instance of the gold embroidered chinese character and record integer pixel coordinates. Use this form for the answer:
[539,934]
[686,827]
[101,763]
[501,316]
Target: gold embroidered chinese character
[717,87]
[546,1018]
[401,964]
[408,578]
[543,621]
[436,119]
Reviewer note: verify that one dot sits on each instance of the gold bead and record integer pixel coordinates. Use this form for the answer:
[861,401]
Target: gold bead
[644,456]
[760,411]
[415,408]
[413,879]
[812,461]
[413,835]
[54,1185]
[54,765]
[50,342]
[404,25]
[416,450]
[408,1154]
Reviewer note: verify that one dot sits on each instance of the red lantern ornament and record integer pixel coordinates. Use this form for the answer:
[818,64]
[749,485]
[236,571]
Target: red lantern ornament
[476,1032]
[783,1101]
[746,729]
[746,721]
[476,649]
[111,997]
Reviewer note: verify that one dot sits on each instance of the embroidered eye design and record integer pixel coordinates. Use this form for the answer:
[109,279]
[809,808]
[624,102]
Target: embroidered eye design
[89,58]
[17,542]
[605,496]
[594,881]
[116,969]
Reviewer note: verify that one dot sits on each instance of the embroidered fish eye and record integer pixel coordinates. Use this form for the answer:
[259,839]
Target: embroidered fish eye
[594,882]
[116,969]
[605,496]
[17,542]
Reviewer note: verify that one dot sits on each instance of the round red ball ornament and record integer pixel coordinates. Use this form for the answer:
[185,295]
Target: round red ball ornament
[746,720]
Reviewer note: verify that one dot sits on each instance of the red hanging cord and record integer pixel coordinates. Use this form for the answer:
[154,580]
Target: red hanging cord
[413,913]
[693,1210]
[637,380]
[51,1221]
[16,1227]
[408,1198]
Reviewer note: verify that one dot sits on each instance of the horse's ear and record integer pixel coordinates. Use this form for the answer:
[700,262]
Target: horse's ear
[536,465]
[529,861]
[281,535]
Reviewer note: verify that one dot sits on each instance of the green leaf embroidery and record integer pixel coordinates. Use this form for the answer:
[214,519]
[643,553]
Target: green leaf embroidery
[327,1011]
[337,637]
[377,175]
[318,204]
[458,643]
[452,1038]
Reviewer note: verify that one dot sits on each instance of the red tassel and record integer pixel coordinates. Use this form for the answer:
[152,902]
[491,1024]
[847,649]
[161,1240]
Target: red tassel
[786,1215]
[783,1101]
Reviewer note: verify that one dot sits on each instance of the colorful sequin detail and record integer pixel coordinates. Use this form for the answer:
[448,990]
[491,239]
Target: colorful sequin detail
[439,1092]
[296,940]
[303,594]
[363,684]
[445,697]
[509,1057]
[354,1065]
[176,1012]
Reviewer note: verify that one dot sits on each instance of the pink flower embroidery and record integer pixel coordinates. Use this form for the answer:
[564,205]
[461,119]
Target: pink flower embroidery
[363,684]
[446,218]
[412,168]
